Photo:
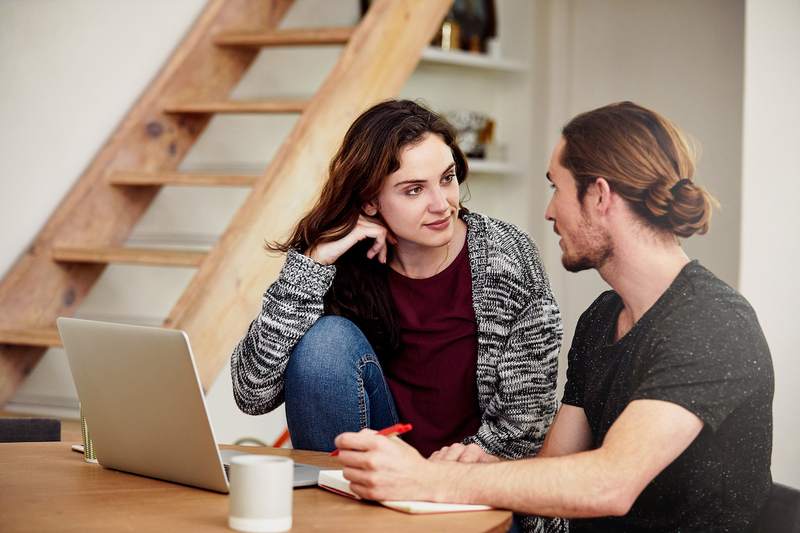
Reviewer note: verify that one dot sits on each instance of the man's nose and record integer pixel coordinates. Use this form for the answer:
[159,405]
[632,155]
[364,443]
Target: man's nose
[548,212]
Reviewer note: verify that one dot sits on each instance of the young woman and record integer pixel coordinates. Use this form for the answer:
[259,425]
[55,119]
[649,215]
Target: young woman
[397,304]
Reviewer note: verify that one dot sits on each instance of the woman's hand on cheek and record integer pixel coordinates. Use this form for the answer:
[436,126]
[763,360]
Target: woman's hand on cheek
[326,253]
[469,453]
[383,468]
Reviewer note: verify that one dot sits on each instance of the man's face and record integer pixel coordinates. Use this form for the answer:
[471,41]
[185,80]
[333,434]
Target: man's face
[584,243]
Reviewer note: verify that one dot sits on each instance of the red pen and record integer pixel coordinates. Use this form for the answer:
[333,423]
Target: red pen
[391,431]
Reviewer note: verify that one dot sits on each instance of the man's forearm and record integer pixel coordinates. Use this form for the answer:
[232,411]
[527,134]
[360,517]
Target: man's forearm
[579,485]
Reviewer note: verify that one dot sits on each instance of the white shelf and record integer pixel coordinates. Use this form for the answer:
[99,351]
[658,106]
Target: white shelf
[471,59]
[485,166]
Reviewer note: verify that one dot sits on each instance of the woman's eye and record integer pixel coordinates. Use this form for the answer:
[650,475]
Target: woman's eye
[449,178]
[414,191]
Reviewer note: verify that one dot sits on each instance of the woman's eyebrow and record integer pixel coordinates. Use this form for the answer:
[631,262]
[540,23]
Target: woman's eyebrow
[406,182]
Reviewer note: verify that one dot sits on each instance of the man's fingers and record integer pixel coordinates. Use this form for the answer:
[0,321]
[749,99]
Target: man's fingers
[364,440]
[358,476]
[368,493]
[355,459]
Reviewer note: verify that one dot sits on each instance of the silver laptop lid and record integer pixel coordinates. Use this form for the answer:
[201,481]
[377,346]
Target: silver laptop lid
[141,396]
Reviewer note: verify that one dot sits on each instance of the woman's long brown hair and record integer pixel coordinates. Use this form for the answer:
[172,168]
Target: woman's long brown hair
[369,152]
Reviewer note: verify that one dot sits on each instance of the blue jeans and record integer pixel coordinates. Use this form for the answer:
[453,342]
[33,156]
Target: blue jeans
[334,383]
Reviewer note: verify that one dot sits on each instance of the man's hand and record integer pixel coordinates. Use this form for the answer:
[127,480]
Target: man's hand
[385,468]
[469,453]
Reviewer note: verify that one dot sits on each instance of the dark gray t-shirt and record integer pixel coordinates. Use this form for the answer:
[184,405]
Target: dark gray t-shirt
[699,346]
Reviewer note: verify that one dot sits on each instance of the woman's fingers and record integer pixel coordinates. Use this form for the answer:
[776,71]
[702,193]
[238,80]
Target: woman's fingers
[454,452]
[368,229]
[382,255]
[437,455]
[472,454]
[379,248]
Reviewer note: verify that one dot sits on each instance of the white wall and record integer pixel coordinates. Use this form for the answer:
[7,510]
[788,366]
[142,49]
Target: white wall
[770,247]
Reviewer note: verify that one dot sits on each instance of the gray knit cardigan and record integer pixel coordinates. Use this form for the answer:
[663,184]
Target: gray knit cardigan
[518,326]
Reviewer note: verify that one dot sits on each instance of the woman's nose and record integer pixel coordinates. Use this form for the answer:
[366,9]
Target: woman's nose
[438,201]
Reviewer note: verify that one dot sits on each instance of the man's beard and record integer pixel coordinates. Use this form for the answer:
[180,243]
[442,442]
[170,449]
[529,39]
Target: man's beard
[591,249]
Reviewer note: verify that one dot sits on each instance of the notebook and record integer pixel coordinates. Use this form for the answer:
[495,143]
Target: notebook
[334,481]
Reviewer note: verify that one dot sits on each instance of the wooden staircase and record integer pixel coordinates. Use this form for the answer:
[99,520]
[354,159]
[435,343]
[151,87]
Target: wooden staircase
[87,231]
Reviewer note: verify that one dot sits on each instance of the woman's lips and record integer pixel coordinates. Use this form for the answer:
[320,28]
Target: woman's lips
[439,224]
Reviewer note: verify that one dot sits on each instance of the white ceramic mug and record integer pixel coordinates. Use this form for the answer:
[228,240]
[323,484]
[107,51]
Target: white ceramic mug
[261,493]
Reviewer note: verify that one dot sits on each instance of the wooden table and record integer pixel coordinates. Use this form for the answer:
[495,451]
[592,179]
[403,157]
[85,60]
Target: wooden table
[48,487]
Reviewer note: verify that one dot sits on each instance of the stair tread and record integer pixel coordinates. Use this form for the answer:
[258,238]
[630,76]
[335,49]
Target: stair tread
[145,178]
[267,105]
[42,336]
[131,255]
[289,36]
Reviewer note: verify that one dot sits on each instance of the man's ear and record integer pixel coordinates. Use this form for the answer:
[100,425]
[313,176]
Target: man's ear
[371,208]
[601,197]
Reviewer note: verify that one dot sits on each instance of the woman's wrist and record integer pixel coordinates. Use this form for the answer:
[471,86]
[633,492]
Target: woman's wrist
[312,254]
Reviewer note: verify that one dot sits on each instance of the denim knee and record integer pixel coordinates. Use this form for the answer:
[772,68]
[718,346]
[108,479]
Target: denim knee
[332,346]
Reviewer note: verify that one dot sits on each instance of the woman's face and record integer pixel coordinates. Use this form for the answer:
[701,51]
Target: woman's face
[419,202]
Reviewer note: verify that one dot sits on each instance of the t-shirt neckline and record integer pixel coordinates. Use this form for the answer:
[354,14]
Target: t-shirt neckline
[662,300]
[453,264]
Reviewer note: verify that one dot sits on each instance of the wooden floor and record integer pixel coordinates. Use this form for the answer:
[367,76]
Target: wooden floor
[70,428]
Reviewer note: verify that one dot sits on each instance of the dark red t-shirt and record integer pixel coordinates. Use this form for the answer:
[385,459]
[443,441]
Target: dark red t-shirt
[432,379]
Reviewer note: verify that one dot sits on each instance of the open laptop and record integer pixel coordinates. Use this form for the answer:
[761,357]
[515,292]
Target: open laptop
[144,406]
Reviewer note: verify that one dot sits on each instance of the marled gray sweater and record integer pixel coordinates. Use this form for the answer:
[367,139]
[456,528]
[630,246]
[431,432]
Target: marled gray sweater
[519,336]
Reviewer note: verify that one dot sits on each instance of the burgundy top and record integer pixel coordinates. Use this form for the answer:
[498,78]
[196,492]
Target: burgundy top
[433,377]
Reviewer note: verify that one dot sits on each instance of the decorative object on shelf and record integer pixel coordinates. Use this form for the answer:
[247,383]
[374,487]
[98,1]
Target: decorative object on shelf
[470,25]
[449,36]
[475,131]
[478,22]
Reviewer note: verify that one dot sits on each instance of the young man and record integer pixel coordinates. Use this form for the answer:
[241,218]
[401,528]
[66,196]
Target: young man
[666,418]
